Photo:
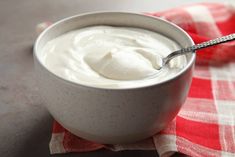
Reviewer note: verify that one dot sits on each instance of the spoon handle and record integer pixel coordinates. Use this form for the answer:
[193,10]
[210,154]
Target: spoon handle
[202,45]
[211,42]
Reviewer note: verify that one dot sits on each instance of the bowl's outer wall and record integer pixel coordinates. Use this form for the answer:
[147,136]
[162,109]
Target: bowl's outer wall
[109,115]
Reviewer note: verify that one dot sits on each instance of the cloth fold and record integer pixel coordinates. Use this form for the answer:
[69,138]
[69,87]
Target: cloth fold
[205,126]
[205,21]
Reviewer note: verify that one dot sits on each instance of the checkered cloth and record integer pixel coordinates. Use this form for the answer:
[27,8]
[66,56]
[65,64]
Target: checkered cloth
[205,126]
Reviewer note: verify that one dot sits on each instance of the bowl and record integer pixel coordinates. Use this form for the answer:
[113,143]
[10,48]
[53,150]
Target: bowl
[113,116]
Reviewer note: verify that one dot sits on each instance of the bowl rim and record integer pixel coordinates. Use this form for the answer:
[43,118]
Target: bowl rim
[182,71]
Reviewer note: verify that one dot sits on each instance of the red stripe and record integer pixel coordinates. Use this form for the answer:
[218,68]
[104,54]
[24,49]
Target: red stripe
[201,88]
[57,128]
[204,134]
[227,26]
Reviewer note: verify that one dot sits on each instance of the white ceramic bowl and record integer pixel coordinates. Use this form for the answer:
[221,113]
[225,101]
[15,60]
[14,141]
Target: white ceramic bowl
[113,115]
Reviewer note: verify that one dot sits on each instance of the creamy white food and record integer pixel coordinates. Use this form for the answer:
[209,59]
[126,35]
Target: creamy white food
[111,57]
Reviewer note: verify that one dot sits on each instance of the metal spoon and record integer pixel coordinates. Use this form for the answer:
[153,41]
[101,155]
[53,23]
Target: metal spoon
[163,61]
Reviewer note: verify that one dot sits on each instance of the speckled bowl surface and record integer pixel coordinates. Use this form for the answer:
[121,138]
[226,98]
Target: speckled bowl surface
[113,116]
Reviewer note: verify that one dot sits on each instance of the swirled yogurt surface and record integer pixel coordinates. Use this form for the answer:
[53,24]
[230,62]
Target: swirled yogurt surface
[111,57]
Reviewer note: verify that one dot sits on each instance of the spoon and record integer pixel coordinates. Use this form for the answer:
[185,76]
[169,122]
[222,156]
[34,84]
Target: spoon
[163,61]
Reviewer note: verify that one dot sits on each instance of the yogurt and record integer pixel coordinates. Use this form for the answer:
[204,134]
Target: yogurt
[111,57]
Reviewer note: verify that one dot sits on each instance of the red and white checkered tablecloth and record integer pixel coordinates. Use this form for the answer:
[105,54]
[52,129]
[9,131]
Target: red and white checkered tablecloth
[205,126]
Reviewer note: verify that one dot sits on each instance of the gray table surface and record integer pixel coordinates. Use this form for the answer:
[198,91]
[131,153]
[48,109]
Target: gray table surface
[25,125]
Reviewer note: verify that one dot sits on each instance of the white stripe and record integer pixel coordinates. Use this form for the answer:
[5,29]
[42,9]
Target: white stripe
[227,154]
[56,143]
[224,72]
[200,110]
[225,108]
[200,13]
[165,145]
[202,72]
[223,13]
[226,111]
[230,6]
[199,150]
